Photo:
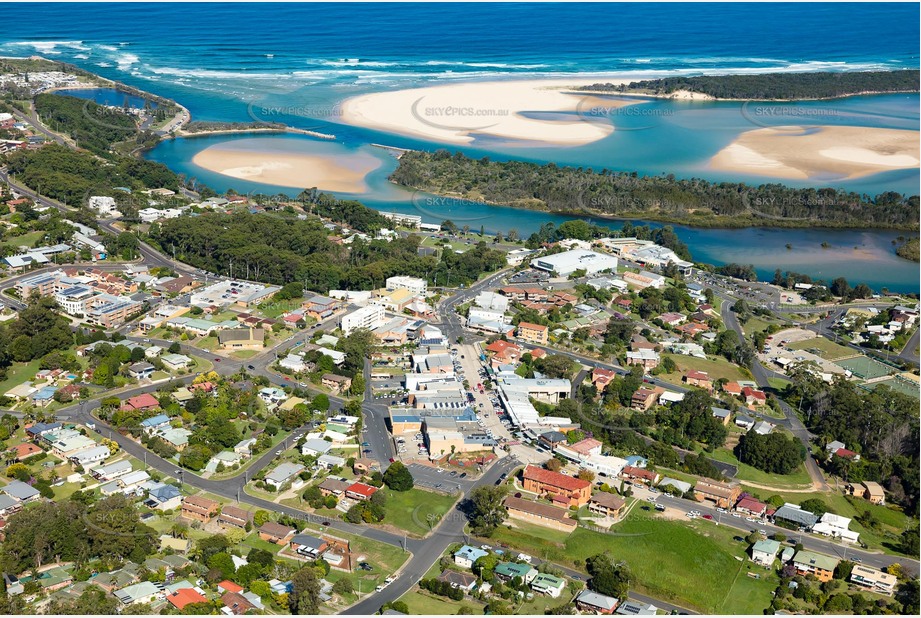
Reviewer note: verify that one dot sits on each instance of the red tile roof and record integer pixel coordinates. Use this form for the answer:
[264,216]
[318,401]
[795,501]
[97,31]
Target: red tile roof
[229,586]
[554,479]
[530,326]
[184,596]
[362,489]
[697,375]
[750,504]
[141,402]
[585,446]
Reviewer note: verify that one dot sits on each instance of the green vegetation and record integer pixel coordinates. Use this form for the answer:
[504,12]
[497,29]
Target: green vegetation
[882,425]
[70,176]
[279,250]
[775,453]
[416,511]
[38,331]
[774,86]
[823,347]
[909,249]
[690,564]
[665,198]
[92,126]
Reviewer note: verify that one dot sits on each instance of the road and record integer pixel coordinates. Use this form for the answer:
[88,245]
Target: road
[791,421]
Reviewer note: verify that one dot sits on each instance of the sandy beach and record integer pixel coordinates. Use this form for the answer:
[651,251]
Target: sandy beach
[546,111]
[824,152]
[329,172]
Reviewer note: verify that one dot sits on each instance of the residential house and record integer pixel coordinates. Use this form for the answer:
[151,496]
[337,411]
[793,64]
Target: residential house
[284,473]
[23,451]
[635,608]
[164,497]
[241,338]
[467,555]
[548,584]
[199,508]
[142,592]
[602,377]
[868,490]
[873,579]
[274,532]
[643,399]
[142,403]
[721,414]
[235,517]
[765,551]
[236,604]
[551,439]
[647,359]
[699,379]
[820,566]
[507,571]
[176,362]
[751,506]
[185,596]
[633,473]
[141,371]
[595,603]
[461,581]
[606,504]
[568,490]
[721,494]
[336,383]
[316,447]
[754,397]
[540,514]
[334,487]
[155,423]
[309,546]
[360,491]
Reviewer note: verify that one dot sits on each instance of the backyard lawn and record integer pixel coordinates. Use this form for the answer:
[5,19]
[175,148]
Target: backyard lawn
[716,369]
[423,603]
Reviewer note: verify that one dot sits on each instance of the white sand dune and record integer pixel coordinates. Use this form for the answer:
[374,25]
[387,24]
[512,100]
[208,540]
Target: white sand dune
[340,173]
[457,113]
[819,152]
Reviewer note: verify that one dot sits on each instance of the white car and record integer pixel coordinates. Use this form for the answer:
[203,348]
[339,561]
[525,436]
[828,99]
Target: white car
[739,515]
[751,519]
[720,510]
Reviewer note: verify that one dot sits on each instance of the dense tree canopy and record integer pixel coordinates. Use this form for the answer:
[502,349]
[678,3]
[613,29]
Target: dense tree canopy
[624,194]
[774,452]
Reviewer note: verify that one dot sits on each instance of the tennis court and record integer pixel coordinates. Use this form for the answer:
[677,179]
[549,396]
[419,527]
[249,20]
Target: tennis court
[865,368]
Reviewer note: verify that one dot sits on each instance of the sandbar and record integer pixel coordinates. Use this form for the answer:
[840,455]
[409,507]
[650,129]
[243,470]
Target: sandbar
[343,173]
[819,152]
[543,110]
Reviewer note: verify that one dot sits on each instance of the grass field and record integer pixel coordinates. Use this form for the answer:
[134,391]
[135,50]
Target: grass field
[422,603]
[827,349]
[19,373]
[416,510]
[716,369]
[754,325]
[692,564]
[798,479]
[26,240]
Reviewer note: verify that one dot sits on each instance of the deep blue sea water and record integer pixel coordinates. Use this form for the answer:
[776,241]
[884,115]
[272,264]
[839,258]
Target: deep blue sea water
[225,61]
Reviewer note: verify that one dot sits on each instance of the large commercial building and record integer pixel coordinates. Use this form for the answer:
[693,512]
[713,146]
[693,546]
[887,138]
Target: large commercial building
[568,262]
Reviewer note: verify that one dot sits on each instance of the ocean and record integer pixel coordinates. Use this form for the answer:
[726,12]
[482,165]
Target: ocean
[231,62]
